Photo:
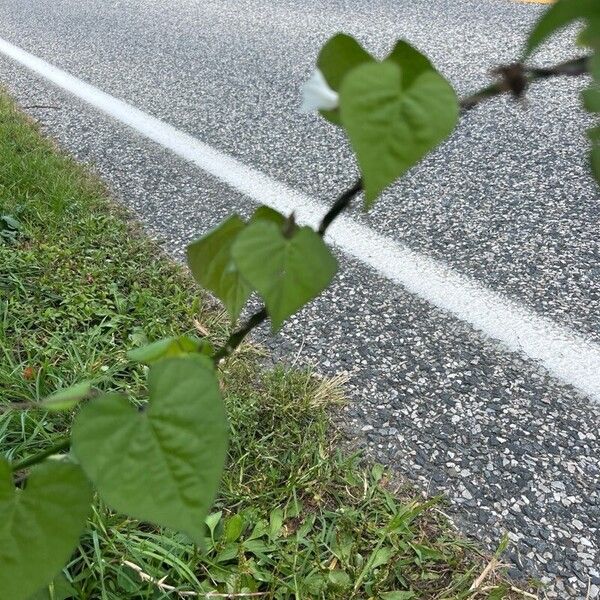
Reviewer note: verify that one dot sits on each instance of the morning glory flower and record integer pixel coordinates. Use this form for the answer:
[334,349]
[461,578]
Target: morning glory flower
[317,95]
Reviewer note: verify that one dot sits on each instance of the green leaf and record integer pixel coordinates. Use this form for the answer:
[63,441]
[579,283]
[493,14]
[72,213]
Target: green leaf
[594,135]
[558,16]
[234,528]
[594,67]
[377,472]
[425,553]
[381,557]
[410,60]
[337,58]
[266,213]
[59,589]
[591,99]
[406,595]
[227,553]
[394,120]
[595,160]
[339,579]
[287,272]
[162,465]
[315,584]
[209,259]
[342,546]
[169,347]
[40,525]
[213,520]
[68,398]
[275,523]
[261,529]
[9,222]
[590,34]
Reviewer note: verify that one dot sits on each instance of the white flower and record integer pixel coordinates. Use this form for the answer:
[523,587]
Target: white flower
[317,95]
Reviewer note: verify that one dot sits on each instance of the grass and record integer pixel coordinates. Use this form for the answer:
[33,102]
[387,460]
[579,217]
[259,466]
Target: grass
[296,518]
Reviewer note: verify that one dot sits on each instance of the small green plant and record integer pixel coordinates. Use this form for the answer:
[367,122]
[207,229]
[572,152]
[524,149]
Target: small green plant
[10,228]
[163,462]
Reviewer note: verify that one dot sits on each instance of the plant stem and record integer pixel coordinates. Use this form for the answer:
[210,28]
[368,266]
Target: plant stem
[62,444]
[574,67]
[339,206]
[237,337]
[513,79]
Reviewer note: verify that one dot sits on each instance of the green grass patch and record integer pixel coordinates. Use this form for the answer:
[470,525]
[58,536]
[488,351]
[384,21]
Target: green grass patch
[296,517]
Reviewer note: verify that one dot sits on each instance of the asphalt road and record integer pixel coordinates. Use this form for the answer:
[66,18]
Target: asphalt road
[506,202]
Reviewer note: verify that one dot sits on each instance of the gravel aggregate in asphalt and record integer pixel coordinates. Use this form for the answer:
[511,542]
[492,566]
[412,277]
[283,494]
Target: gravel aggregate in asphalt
[507,201]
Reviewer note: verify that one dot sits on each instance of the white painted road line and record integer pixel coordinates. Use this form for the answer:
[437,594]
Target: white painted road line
[565,354]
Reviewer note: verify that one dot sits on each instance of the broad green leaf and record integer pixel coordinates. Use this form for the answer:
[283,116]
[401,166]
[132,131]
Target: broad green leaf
[287,272]
[594,67]
[315,584]
[342,546]
[590,34]
[594,135]
[339,578]
[381,557]
[227,553]
[392,123]
[169,347]
[405,595]
[558,16]
[164,464]
[591,98]
[68,398]
[410,60]
[213,520]
[266,213]
[337,58]
[209,259]
[59,589]
[275,523]
[425,553]
[10,222]
[377,472]
[40,525]
[234,528]
[595,160]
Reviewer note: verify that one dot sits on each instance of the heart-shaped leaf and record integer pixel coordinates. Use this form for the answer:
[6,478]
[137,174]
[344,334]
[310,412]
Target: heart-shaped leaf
[164,464]
[337,58]
[209,259]
[557,16]
[40,525]
[266,213]
[393,120]
[410,60]
[288,271]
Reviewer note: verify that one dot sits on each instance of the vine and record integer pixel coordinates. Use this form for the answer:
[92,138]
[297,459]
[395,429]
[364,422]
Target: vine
[163,464]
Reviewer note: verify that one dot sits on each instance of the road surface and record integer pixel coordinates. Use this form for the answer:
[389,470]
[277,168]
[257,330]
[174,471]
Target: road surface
[470,322]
